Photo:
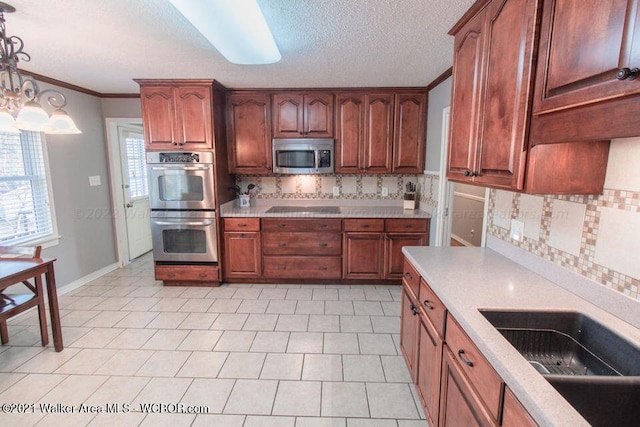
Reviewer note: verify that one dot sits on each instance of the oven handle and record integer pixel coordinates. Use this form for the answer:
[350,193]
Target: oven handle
[203,223]
[181,168]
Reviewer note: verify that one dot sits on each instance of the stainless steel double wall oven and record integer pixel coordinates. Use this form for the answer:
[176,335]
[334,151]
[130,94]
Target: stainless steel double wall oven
[182,202]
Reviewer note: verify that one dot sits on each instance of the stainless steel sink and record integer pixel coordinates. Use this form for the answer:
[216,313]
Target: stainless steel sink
[304,209]
[595,369]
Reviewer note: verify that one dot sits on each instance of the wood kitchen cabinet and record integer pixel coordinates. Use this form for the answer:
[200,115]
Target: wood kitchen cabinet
[409,330]
[586,86]
[242,253]
[364,256]
[364,132]
[490,145]
[513,413]
[429,365]
[380,132]
[402,232]
[303,115]
[409,136]
[176,115]
[249,133]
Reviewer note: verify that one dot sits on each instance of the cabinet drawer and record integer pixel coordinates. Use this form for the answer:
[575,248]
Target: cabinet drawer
[431,305]
[242,224]
[411,278]
[400,225]
[369,224]
[188,273]
[475,366]
[301,243]
[301,267]
[301,225]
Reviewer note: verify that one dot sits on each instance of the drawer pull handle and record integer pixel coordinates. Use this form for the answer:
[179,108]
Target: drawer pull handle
[323,225]
[466,361]
[324,245]
[428,304]
[242,225]
[282,225]
[408,275]
[282,245]
[322,268]
[365,226]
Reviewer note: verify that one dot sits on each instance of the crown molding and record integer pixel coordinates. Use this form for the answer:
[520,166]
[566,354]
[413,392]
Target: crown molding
[80,89]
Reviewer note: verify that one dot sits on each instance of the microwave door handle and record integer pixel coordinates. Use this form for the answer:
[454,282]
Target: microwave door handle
[181,168]
[201,223]
[317,158]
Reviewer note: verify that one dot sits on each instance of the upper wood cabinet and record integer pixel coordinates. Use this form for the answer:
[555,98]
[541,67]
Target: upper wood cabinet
[308,115]
[587,79]
[364,132]
[177,116]
[493,56]
[580,70]
[249,133]
[409,137]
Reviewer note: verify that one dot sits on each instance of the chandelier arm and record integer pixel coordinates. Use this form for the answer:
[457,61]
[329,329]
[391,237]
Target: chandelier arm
[54,98]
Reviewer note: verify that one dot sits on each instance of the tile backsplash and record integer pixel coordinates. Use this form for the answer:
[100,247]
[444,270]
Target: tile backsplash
[596,236]
[308,187]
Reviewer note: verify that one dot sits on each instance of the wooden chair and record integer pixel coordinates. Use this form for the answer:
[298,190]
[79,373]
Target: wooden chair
[13,304]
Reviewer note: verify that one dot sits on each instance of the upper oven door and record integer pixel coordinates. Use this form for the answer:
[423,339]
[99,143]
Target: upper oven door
[181,186]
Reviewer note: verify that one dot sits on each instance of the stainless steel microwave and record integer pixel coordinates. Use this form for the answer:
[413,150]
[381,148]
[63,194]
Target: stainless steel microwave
[303,155]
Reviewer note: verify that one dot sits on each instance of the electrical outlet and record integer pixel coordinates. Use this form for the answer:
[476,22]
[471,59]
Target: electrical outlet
[517,230]
[385,191]
[336,191]
[94,180]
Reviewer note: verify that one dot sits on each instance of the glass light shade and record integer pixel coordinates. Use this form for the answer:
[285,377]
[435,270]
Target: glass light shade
[61,124]
[236,28]
[32,117]
[7,122]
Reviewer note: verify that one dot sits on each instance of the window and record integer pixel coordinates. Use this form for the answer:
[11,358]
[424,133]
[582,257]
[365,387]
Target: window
[26,212]
[136,164]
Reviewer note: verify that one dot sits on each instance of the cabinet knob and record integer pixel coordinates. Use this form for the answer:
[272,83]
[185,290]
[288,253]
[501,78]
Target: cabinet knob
[414,309]
[427,304]
[468,173]
[628,73]
[475,174]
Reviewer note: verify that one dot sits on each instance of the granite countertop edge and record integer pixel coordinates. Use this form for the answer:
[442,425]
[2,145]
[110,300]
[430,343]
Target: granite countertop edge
[470,279]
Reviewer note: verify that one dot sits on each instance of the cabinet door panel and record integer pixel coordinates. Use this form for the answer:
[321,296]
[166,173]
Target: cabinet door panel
[378,133]
[193,106]
[364,255]
[349,132]
[409,135]
[459,404]
[158,110]
[509,35]
[318,115]
[578,70]
[466,81]
[395,259]
[287,116]
[429,368]
[242,256]
[409,335]
[249,133]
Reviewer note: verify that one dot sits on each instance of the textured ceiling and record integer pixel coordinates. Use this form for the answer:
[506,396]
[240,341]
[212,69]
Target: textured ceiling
[103,44]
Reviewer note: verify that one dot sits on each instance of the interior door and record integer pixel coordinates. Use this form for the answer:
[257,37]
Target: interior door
[135,186]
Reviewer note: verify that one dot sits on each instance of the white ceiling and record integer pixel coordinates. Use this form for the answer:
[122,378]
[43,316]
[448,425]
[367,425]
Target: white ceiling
[103,44]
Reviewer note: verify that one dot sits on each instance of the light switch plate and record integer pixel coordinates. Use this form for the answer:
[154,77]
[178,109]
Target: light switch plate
[94,180]
[385,192]
[336,191]
[517,230]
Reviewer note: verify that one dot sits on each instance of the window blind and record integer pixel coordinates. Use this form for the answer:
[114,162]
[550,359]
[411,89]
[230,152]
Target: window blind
[25,212]
[136,165]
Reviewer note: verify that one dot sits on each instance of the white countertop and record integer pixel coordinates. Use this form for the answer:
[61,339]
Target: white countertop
[469,279]
[355,209]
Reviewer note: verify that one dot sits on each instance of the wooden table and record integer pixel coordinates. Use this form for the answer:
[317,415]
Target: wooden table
[16,271]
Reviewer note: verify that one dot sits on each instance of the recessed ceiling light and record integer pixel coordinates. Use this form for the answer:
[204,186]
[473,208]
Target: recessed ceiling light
[236,28]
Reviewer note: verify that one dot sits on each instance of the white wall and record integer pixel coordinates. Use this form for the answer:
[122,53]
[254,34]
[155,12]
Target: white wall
[121,108]
[439,98]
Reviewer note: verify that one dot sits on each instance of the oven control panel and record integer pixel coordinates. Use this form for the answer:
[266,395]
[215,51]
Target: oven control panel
[179,157]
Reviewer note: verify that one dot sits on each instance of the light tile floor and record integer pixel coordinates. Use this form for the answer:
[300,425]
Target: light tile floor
[251,355]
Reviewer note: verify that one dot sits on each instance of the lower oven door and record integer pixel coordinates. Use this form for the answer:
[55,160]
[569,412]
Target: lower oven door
[181,237]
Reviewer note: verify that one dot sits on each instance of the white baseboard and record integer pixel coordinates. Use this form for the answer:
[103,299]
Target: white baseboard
[461,240]
[88,278]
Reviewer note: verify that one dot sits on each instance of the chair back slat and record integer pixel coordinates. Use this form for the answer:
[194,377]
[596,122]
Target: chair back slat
[21,252]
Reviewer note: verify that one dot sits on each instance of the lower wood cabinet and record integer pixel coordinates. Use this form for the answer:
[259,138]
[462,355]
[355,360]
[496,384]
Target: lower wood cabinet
[395,260]
[429,364]
[187,274]
[455,382]
[242,257]
[364,256]
[459,402]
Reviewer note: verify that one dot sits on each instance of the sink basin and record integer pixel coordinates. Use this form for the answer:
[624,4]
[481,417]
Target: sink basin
[596,370]
[304,209]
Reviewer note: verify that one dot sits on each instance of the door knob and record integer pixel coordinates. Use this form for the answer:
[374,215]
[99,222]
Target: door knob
[628,73]
[129,205]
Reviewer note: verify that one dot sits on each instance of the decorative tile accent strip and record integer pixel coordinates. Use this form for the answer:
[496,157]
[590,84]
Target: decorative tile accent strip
[583,264]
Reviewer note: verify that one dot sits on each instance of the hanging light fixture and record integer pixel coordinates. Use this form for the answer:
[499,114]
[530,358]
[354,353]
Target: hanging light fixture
[20,96]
